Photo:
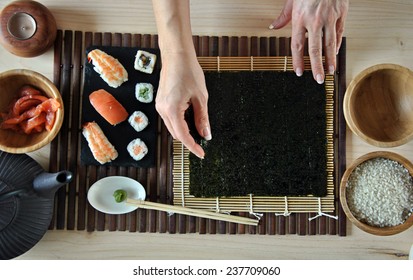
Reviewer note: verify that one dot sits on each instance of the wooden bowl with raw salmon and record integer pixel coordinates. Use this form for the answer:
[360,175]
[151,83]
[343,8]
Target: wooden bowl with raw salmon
[31,111]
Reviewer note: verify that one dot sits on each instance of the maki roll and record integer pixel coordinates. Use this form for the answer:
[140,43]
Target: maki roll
[138,120]
[144,92]
[145,61]
[137,149]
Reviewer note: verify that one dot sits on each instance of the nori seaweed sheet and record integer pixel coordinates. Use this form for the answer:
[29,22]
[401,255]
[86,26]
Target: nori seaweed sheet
[268,136]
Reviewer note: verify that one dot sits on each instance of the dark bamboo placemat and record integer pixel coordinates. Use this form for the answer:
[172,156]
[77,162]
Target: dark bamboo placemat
[72,210]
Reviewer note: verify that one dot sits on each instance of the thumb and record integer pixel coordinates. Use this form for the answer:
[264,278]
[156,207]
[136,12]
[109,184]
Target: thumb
[284,18]
[202,119]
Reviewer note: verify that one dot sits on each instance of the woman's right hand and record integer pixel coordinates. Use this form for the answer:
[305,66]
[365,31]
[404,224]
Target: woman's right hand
[182,83]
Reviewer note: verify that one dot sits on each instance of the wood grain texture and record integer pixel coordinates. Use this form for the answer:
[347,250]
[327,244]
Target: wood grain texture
[386,122]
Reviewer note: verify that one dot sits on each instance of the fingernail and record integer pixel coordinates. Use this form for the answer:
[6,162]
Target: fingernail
[320,79]
[331,70]
[271,26]
[207,133]
[200,155]
[298,71]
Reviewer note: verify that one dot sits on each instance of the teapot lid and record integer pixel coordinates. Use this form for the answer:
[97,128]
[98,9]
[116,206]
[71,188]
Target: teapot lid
[23,220]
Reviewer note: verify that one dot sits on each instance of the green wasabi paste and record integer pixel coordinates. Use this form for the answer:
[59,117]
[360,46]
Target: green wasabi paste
[120,195]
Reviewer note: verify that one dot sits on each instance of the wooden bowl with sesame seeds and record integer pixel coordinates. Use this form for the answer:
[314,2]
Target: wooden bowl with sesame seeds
[376,193]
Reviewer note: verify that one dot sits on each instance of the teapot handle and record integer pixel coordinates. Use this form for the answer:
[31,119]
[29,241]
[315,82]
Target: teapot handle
[9,194]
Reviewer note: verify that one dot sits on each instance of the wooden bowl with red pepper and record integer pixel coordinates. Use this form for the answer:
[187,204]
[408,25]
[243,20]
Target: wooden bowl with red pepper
[31,111]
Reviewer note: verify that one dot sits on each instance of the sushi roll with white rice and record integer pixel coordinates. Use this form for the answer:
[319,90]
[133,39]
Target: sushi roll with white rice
[137,149]
[144,92]
[138,120]
[145,61]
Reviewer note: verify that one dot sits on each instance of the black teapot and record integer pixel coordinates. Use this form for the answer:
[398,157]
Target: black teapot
[27,194]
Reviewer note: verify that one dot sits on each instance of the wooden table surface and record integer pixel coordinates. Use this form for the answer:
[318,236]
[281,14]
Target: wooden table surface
[377,32]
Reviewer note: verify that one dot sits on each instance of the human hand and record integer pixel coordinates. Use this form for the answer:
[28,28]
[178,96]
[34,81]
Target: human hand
[324,21]
[181,84]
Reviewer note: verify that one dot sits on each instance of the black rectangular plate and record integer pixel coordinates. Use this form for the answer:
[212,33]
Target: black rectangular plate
[121,134]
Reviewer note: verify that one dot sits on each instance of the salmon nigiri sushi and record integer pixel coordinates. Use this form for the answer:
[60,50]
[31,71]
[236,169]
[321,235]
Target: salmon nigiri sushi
[108,107]
[102,150]
[108,67]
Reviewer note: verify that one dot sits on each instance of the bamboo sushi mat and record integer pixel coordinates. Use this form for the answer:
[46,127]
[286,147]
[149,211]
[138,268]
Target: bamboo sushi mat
[72,210]
[257,204]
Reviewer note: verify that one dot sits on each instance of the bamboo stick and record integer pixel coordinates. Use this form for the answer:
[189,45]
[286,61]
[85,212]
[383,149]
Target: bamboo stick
[191,212]
[250,63]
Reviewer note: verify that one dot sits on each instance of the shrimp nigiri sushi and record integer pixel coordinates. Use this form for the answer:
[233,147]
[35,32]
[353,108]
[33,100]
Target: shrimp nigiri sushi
[108,107]
[137,149]
[108,67]
[144,92]
[138,120]
[102,150]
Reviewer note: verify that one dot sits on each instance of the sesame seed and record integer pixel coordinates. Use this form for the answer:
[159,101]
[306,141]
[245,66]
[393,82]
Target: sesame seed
[380,193]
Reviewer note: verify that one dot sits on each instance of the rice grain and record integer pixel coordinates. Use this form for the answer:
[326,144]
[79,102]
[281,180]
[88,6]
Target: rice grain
[380,193]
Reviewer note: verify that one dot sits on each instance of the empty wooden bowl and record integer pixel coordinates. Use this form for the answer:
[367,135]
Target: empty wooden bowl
[378,105]
[10,82]
[376,194]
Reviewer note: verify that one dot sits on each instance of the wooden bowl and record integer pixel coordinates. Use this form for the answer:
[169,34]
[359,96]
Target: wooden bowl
[378,105]
[381,231]
[10,82]
[27,28]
